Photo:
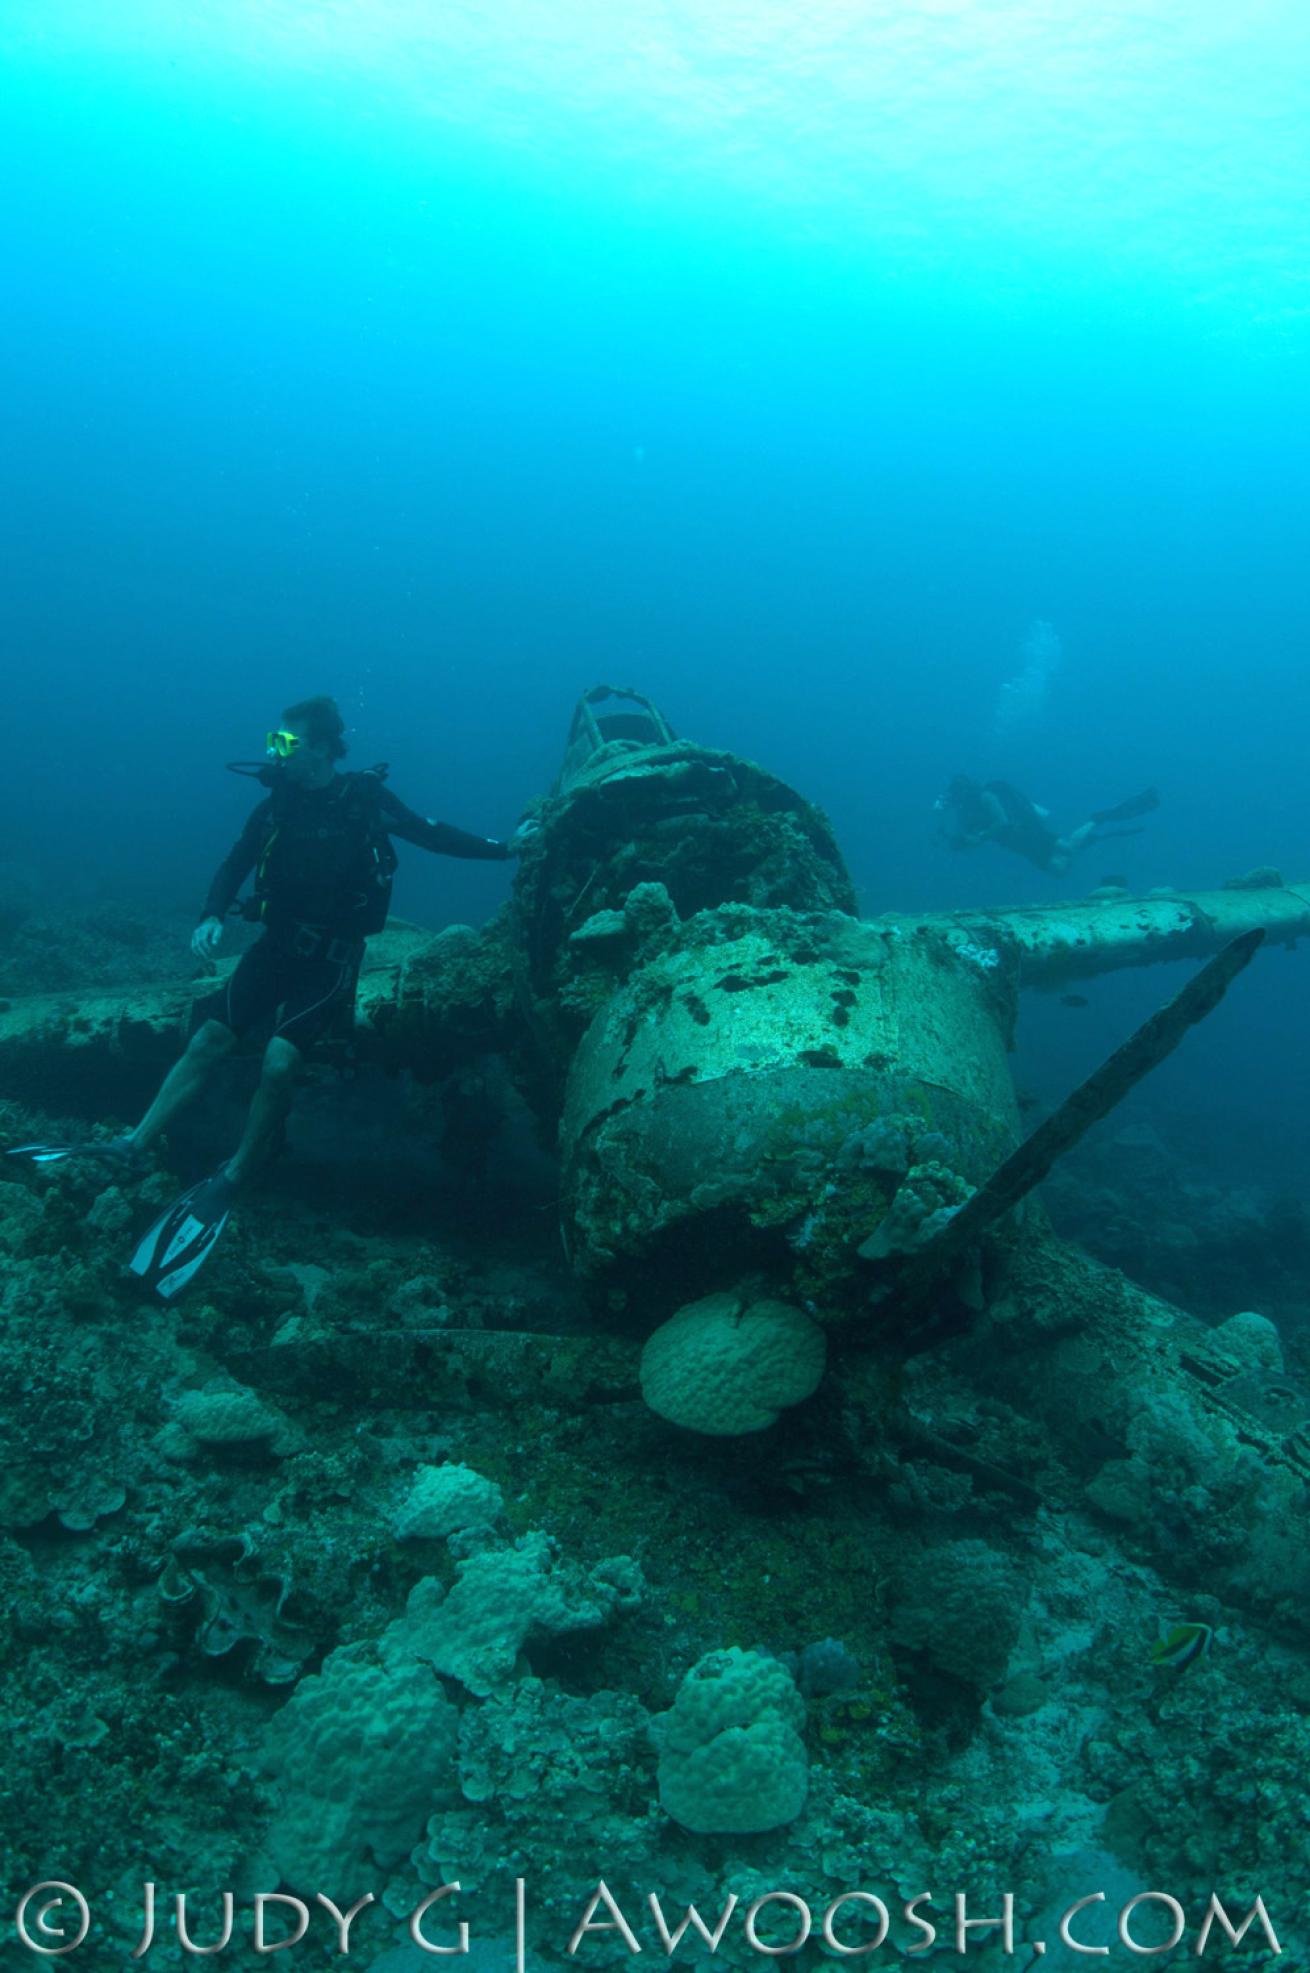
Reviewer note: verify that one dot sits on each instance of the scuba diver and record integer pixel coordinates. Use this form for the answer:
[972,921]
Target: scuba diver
[320,846]
[995,812]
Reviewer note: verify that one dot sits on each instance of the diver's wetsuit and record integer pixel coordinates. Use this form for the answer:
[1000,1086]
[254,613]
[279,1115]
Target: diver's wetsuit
[324,864]
[1024,831]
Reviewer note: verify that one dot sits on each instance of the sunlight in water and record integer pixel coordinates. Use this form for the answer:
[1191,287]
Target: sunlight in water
[1160,136]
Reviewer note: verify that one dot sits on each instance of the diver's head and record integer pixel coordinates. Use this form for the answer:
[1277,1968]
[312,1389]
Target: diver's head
[959,793]
[956,810]
[304,749]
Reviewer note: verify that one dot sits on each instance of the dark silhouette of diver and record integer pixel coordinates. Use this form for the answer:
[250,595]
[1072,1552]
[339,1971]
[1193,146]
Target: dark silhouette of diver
[976,812]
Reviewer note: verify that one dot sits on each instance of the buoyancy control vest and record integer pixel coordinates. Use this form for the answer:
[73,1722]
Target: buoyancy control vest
[326,860]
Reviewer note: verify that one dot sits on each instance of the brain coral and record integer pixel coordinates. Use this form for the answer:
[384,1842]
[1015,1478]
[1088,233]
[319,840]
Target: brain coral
[732,1761]
[363,1754]
[723,1367]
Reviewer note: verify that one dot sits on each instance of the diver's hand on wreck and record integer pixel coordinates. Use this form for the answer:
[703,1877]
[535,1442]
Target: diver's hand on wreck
[523,836]
[206,938]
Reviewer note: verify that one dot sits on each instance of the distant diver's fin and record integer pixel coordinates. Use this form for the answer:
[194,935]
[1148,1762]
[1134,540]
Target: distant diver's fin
[1125,811]
[181,1240]
[112,1150]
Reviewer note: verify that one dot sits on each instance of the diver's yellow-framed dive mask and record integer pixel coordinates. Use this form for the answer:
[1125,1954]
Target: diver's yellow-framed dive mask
[280,745]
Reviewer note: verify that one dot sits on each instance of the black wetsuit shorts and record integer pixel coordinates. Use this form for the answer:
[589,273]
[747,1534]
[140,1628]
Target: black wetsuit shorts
[1025,832]
[300,989]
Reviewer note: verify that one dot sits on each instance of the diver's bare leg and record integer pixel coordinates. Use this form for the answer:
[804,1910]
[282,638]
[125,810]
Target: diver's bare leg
[208,1046]
[1069,846]
[268,1111]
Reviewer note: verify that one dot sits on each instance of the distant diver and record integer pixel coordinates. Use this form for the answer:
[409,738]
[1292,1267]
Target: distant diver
[320,846]
[975,812]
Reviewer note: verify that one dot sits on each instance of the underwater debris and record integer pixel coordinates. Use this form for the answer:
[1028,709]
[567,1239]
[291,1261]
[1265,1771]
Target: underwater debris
[912,1432]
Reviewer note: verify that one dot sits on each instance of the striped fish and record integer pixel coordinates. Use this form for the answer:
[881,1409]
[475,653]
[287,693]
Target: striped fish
[1182,1646]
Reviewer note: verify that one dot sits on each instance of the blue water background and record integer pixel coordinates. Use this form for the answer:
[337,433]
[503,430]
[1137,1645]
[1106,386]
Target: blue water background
[787,363]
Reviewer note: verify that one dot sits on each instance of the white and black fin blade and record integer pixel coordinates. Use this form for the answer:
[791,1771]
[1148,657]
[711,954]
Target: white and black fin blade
[173,1250]
[113,1151]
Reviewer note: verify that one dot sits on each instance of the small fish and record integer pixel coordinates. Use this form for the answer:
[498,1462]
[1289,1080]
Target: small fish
[1074,1000]
[1182,1645]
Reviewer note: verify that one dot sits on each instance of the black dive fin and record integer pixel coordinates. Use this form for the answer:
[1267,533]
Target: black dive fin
[181,1240]
[1126,811]
[43,1154]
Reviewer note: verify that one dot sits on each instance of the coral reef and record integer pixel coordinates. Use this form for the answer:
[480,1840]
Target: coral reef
[203,1622]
